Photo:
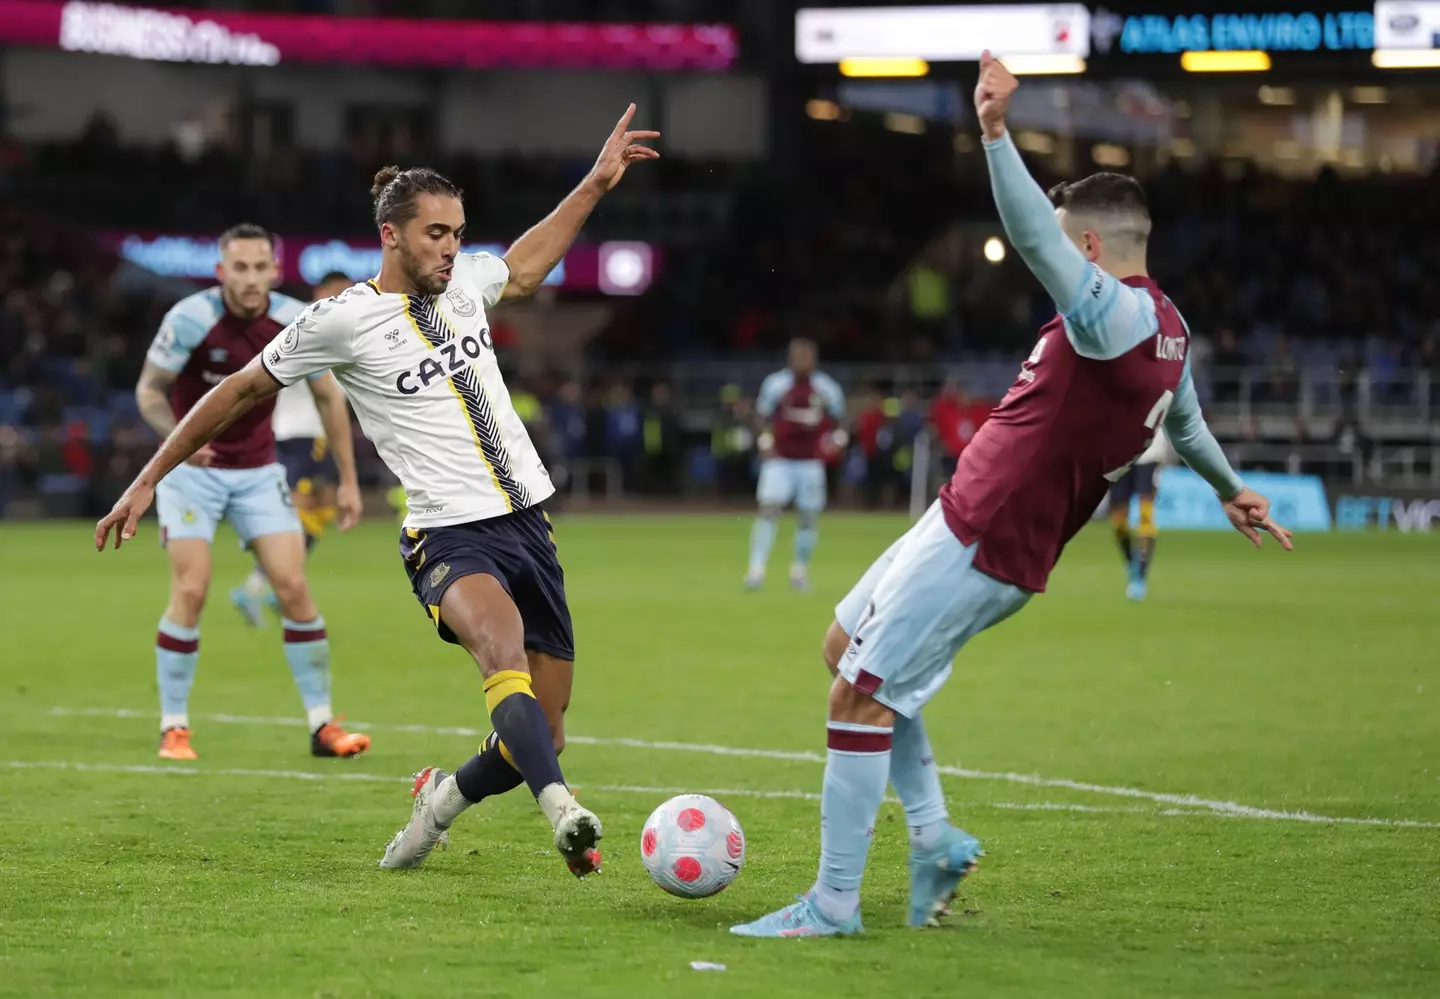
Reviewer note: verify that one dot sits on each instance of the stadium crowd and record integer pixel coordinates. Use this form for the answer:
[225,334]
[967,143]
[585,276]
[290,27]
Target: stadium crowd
[876,264]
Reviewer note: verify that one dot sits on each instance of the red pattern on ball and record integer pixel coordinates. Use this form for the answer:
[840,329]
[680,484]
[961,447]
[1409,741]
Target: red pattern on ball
[687,869]
[648,842]
[690,819]
[734,845]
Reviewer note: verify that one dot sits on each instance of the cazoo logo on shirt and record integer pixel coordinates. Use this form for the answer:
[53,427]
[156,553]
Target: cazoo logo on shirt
[450,358]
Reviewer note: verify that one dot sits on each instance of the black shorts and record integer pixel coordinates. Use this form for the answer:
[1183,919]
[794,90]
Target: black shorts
[1139,481]
[518,549]
[306,459]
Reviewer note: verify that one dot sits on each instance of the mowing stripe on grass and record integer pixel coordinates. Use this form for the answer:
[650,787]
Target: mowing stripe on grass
[1216,806]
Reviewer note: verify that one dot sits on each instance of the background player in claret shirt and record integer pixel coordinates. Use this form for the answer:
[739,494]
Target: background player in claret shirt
[1103,375]
[413,350]
[310,468]
[1138,547]
[203,339]
[803,408]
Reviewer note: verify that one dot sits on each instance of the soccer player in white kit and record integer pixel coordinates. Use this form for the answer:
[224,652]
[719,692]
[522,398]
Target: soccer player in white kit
[310,471]
[413,351]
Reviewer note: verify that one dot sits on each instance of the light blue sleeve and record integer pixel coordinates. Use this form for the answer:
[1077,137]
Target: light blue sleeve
[187,323]
[1194,442]
[1104,317]
[772,390]
[831,392]
[284,309]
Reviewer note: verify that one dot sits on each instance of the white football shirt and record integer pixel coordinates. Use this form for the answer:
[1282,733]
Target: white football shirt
[421,374]
[296,414]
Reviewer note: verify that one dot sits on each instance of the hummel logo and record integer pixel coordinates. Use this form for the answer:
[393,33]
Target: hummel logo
[394,337]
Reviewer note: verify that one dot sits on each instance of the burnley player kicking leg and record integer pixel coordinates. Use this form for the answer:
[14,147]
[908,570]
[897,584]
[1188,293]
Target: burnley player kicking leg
[1104,373]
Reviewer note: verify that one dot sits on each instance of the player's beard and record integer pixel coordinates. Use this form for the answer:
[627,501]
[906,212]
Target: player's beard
[425,282]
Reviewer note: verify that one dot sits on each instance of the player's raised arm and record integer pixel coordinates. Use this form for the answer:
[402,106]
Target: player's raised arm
[1103,317]
[535,254]
[1192,440]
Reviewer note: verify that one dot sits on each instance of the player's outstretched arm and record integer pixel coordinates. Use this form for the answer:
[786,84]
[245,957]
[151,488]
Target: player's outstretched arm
[535,254]
[220,407]
[335,416]
[1248,511]
[1026,212]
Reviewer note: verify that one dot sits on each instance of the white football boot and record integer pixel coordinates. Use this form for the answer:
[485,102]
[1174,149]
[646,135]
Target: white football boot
[423,833]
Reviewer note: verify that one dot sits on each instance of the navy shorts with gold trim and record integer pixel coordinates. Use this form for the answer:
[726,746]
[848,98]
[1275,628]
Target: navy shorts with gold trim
[306,459]
[1139,481]
[518,549]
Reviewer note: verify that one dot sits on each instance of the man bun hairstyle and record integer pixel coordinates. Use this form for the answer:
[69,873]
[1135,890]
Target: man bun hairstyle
[1114,202]
[395,191]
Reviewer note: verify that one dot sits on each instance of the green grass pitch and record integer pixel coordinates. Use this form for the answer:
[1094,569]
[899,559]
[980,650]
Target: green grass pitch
[1263,685]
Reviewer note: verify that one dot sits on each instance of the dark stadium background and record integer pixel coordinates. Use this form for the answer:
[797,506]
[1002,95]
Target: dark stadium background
[1295,216]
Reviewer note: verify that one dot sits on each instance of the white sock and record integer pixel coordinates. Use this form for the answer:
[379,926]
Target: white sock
[837,904]
[447,802]
[318,715]
[553,801]
[927,836]
[174,721]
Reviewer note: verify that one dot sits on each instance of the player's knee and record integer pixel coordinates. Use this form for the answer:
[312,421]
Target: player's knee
[292,593]
[807,520]
[187,601]
[834,646]
[848,704]
[769,511]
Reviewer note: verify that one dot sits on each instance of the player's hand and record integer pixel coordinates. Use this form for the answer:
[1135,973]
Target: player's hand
[125,515]
[203,457]
[1249,512]
[992,95]
[621,150]
[348,506]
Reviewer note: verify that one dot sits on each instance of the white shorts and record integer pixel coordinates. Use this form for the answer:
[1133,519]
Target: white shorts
[787,480]
[913,610]
[191,500]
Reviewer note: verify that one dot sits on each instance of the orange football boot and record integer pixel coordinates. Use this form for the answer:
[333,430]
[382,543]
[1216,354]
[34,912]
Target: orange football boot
[175,745]
[332,740]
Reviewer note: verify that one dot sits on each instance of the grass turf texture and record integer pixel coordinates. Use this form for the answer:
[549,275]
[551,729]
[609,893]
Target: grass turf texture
[1306,682]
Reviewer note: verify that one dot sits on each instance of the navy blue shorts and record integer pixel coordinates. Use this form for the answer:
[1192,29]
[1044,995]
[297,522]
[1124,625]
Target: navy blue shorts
[1139,481]
[518,549]
[306,459]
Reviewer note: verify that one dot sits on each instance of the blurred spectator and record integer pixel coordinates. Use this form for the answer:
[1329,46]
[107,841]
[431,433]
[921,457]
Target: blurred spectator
[955,418]
[732,443]
[663,447]
[876,440]
[567,418]
[623,440]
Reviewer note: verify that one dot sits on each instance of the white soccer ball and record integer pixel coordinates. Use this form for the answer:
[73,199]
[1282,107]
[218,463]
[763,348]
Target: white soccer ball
[692,846]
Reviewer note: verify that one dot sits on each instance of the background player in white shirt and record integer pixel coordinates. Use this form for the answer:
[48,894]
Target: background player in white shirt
[310,471]
[412,349]
[1140,480]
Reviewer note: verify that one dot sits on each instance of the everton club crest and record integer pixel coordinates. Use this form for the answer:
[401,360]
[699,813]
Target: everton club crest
[462,303]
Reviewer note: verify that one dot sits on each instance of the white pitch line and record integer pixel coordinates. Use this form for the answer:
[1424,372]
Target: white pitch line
[153,769]
[1221,807]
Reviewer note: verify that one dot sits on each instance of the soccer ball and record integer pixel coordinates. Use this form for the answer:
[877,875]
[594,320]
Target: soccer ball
[692,846]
